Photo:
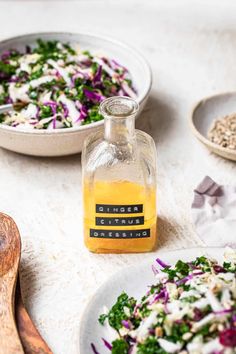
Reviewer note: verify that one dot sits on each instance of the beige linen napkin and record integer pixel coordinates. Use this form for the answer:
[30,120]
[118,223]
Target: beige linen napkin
[214,213]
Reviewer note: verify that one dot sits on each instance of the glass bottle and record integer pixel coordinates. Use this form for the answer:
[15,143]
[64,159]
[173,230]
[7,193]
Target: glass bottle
[119,183]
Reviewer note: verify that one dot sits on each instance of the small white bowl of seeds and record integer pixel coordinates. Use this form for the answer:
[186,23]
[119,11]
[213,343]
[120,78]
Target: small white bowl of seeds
[223,131]
[213,122]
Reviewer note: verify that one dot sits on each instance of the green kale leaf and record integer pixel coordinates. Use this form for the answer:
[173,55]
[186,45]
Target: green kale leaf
[117,312]
[150,346]
[120,346]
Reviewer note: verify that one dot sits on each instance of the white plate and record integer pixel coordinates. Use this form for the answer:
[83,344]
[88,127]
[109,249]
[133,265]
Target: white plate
[61,142]
[134,280]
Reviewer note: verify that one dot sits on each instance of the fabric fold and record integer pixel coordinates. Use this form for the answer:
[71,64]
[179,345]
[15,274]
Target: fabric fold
[214,213]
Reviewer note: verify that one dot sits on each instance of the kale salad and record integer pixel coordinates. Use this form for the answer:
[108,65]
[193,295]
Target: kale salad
[191,308]
[56,85]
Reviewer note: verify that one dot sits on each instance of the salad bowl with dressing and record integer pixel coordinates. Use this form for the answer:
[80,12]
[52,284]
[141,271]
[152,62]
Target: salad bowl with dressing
[181,303]
[57,81]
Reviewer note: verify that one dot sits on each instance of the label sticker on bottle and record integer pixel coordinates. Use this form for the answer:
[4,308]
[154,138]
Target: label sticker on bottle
[120,233]
[121,221]
[119,209]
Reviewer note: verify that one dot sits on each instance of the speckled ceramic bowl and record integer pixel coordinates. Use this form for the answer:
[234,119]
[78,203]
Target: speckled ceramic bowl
[70,141]
[203,115]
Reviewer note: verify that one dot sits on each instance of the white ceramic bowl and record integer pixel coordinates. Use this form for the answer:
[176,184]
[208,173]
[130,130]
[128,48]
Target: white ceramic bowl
[203,115]
[70,141]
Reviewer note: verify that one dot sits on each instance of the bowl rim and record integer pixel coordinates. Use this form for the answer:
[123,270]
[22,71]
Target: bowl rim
[200,136]
[126,46]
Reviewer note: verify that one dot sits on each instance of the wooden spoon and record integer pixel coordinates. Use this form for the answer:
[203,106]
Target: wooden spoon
[31,340]
[10,247]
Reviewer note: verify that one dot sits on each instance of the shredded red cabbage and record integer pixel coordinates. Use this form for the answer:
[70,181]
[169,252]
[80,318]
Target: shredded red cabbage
[218,269]
[107,344]
[5,55]
[162,264]
[185,279]
[94,349]
[155,271]
[198,314]
[223,312]
[78,75]
[118,65]
[92,95]
[52,105]
[98,75]
[158,296]
[126,324]
[228,337]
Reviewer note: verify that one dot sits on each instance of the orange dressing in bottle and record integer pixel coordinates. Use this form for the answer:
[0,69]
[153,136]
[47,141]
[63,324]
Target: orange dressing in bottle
[119,183]
[127,226]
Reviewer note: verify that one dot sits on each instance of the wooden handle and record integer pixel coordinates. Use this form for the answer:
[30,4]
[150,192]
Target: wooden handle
[9,261]
[31,340]
[9,339]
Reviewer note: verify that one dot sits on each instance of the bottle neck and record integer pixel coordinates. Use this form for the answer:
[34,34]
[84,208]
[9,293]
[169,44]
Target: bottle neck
[119,130]
[119,114]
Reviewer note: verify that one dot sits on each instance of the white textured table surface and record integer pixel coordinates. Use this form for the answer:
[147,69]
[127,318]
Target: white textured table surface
[191,49]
